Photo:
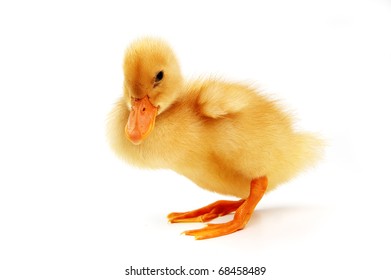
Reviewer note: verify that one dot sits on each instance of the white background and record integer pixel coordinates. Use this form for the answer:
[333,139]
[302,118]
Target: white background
[70,209]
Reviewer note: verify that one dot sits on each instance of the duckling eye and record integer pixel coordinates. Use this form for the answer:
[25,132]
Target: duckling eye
[159,76]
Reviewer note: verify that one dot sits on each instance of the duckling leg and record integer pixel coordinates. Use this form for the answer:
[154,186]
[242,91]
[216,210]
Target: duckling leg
[242,214]
[207,213]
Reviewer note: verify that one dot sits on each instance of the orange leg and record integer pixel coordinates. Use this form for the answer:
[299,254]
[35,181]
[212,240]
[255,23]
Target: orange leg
[244,209]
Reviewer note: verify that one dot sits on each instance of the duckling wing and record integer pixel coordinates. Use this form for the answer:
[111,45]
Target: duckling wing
[218,99]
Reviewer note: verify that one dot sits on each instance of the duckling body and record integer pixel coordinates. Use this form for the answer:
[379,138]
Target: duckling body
[225,137]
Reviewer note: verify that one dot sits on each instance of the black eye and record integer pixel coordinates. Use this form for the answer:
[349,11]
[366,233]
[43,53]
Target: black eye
[159,76]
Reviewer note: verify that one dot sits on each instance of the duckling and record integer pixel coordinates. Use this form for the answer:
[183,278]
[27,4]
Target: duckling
[225,137]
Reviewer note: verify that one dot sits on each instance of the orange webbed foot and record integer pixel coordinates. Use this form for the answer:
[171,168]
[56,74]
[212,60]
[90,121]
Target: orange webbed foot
[207,213]
[215,230]
[244,210]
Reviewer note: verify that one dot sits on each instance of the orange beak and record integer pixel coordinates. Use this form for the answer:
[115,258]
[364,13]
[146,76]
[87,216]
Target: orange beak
[141,120]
